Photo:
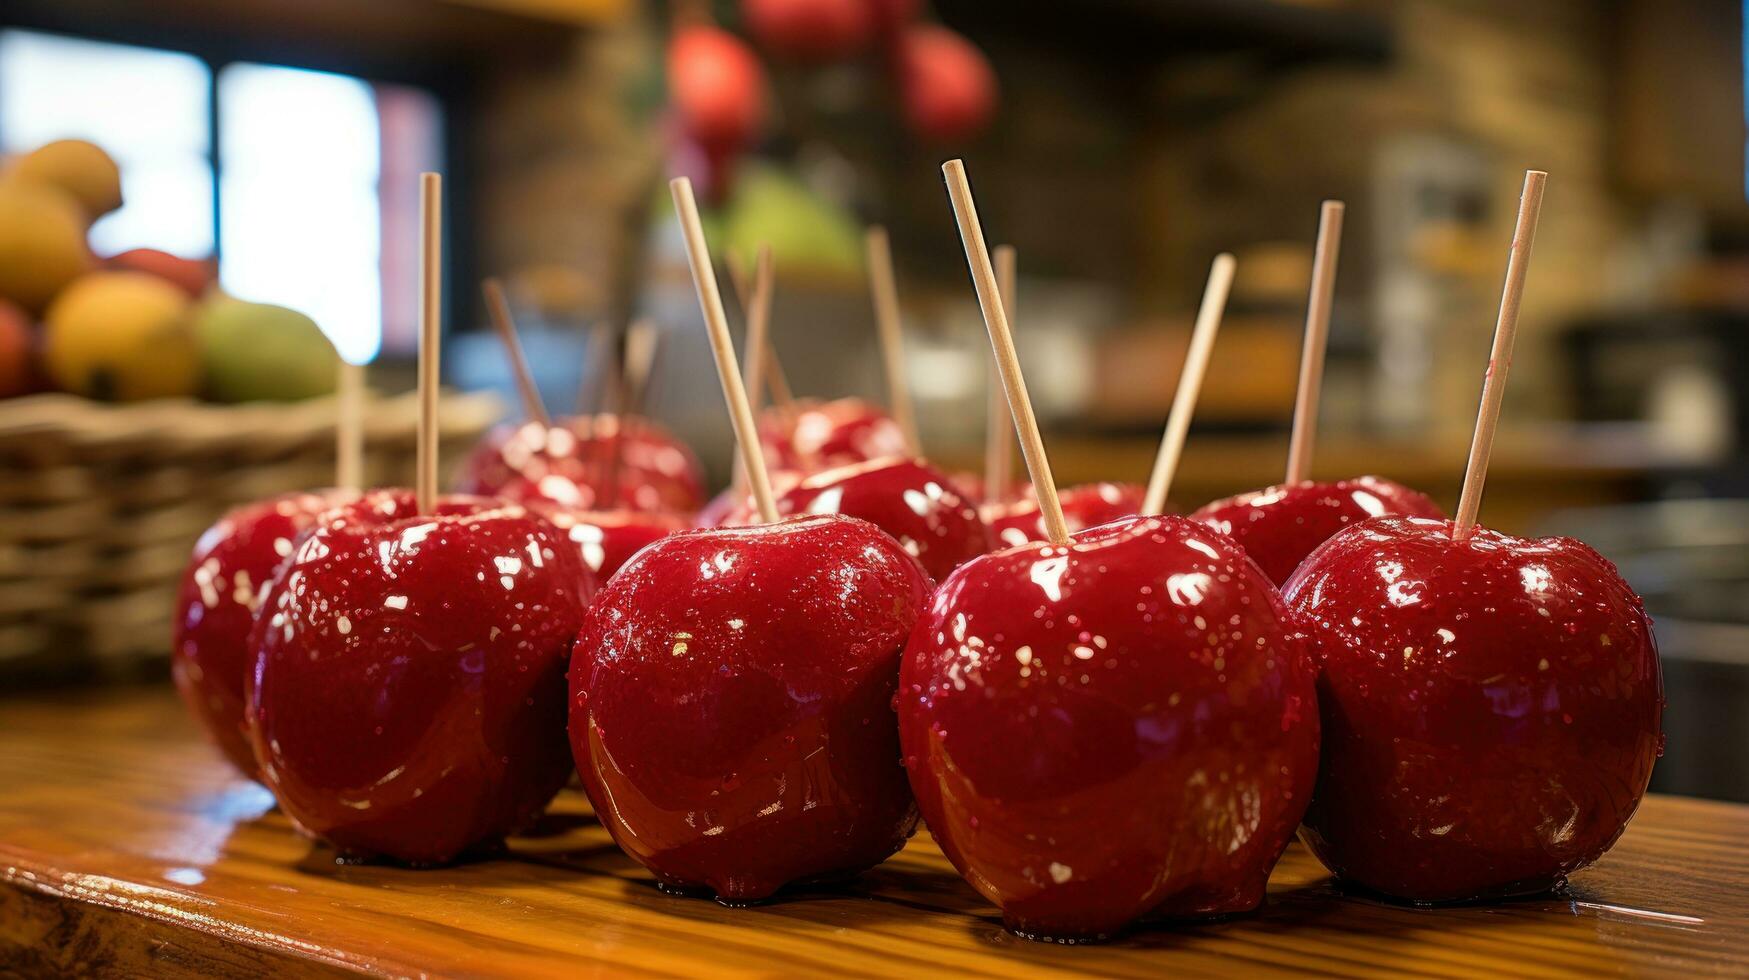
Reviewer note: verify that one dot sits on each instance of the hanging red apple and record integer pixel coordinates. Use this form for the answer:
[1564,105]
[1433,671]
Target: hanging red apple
[946,86]
[891,16]
[809,31]
[716,86]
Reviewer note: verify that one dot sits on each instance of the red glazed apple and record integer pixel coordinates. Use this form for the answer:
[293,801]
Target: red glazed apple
[1279,526]
[607,539]
[822,435]
[1491,709]
[809,31]
[1119,728]
[574,463]
[215,609]
[1084,506]
[408,693]
[904,497]
[731,704]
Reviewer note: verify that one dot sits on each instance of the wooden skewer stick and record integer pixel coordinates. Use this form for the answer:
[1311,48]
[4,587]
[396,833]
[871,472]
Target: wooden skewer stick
[430,336]
[643,341]
[885,293]
[349,428]
[1196,362]
[756,342]
[776,382]
[710,302]
[1299,449]
[998,437]
[498,308]
[1032,445]
[1530,205]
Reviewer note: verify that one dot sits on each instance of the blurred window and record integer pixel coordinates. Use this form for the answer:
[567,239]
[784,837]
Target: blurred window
[299,160]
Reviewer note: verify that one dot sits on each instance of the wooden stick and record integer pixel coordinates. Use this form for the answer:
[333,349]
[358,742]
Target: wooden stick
[1530,204]
[710,303]
[1196,362]
[643,343]
[1032,445]
[1299,449]
[430,336]
[998,439]
[776,383]
[758,323]
[879,254]
[349,428]
[498,308]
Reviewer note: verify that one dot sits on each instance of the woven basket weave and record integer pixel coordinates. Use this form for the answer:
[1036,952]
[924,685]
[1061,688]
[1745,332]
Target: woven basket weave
[100,505]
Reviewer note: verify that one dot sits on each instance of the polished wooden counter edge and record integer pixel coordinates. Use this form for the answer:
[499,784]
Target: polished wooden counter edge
[129,848]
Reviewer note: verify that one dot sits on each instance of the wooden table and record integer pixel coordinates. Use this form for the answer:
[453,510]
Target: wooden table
[128,848]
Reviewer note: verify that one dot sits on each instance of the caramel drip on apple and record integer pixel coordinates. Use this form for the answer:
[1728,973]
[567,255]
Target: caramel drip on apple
[710,303]
[1196,362]
[998,441]
[498,309]
[1530,205]
[1305,430]
[885,294]
[1032,446]
[430,336]
[349,428]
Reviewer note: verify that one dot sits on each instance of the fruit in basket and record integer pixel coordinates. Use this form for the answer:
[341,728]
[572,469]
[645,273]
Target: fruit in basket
[1279,526]
[192,276]
[731,704]
[42,243]
[1119,728]
[121,336]
[903,496]
[809,31]
[215,609]
[1084,506]
[79,168]
[261,352]
[947,90]
[17,352]
[408,693]
[1491,708]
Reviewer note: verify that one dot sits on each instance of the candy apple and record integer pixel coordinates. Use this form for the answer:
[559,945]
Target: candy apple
[947,89]
[1491,708]
[731,704]
[825,434]
[408,693]
[716,87]
[1279,526]
[232,563]
[607,539]
[905,497]
[573,463]
[733,507]
[809,31]
[1084,506]
[1121,727]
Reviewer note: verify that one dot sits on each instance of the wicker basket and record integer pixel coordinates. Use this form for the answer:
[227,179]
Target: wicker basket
[99,506]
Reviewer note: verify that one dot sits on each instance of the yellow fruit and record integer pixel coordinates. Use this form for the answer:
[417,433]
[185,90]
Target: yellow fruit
[122,336]
[42,243]
[81,169]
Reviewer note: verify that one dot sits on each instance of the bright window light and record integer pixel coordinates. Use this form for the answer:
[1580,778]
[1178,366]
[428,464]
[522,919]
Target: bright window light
[147,108]
[299,164]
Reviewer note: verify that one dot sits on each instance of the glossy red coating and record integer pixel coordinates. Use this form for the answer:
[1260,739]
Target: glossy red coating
[1122,728]
[731,704]
[820,435]
[607,539]
[1491,709]
[1084,506]
[572,463]
[733,506]
[903,496]
[408,694]
[1279,526]
[215,609]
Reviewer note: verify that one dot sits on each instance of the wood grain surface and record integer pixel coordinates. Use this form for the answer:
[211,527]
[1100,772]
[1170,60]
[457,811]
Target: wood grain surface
[128,848]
